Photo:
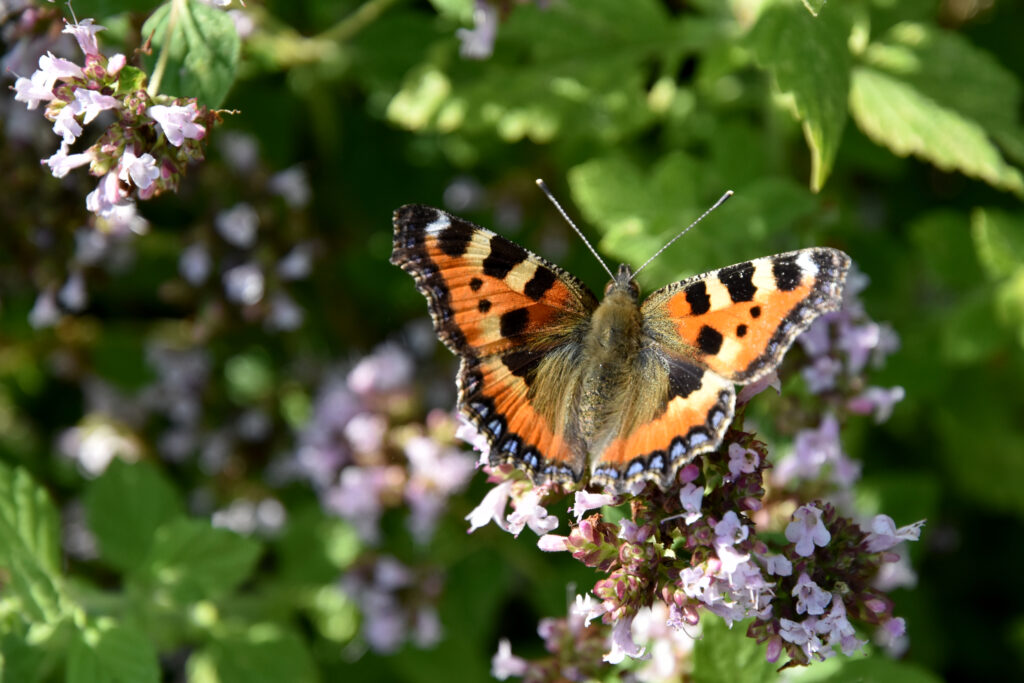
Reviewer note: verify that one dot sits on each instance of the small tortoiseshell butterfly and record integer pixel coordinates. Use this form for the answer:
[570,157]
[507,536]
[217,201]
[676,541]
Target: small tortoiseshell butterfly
[565,388]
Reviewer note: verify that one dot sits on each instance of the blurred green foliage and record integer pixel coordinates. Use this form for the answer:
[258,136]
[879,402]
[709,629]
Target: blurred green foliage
[889,129]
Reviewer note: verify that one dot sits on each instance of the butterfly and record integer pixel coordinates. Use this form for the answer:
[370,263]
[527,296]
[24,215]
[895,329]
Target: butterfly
[616,392]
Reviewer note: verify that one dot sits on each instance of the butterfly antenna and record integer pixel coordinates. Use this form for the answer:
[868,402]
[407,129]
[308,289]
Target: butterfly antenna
[544,188]
[721,200]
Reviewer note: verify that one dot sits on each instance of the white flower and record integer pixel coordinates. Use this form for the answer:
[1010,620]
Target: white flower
[622,642]
[238,225]
[492,507]
[33,90]
[85,33]
[66,125]
[107,196]
[143,170]
[61,163]
[177,122]
[54,68]
[778,565]
[585,500]
[505,664]
[90,103]
[810,598]
[690,496]
[885,535]
[244,284]
[807,530]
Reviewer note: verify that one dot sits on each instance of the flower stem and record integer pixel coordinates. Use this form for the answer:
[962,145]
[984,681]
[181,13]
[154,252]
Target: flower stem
[165,49]
[357,21]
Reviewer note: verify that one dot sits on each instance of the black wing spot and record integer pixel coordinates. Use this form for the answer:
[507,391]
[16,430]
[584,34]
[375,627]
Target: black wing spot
[755,311]
[741,330]
[739,280]
[542,280]
[787,273]
[483,305]
[503,258]
[454,240]
[709,341]
[475,284]
[523,364]
[683,379]
[697,297]
[514,322]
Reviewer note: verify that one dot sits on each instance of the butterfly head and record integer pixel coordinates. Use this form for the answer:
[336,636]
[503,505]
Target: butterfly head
[624,282]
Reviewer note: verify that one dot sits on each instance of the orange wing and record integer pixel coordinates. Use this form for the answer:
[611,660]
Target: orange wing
[513,318]
[739,321]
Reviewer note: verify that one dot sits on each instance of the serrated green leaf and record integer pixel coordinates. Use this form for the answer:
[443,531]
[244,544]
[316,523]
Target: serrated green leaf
[724,655]
[998,241]
[264,653]
[125,507]
[893,113]
[809,61]
[29,546]
[201,48]
[949,69]
[111,653]
[196,561]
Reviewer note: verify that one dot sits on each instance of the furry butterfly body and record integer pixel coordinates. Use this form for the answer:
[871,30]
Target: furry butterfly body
[616,392]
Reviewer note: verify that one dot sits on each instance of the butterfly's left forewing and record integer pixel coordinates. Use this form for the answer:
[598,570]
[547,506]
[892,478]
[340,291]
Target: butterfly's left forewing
[739,321]
[514,319]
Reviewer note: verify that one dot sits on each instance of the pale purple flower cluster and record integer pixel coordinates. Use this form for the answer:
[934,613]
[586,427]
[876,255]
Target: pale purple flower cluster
[365,463]
[397,603]
[841,345]
[146,142]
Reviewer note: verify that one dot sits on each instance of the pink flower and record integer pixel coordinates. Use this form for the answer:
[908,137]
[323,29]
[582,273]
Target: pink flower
[492,507]
[810,598]
[177,122]
[807,530]
[754,388]
[85,33]
[478,42]
[141,170]
[876,400]
[107,196]
[801,634]
[885,535]
[585,500]
[553,543]
[90,103]
[61,163]
[839,630]
[742,460]
[587,608]
[505,664]
[116,63]
[55,68]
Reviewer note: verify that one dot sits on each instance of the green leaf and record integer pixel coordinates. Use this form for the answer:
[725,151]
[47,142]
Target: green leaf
[881,669]
[196,561]
[264,653]
[29,546]
[726,655]
[947,68]
[569,67]
[110,653]
[895,114]
[460,10]
[26,650]
[198,48]
[998,241]
[809,62]
[125,507]
[130,80]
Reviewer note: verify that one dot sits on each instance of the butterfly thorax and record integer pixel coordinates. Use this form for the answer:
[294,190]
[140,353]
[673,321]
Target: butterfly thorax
[611,348]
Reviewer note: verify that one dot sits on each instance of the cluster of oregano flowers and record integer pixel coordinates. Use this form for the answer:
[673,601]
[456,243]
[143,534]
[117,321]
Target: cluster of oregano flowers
[148,139]
[731,538]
